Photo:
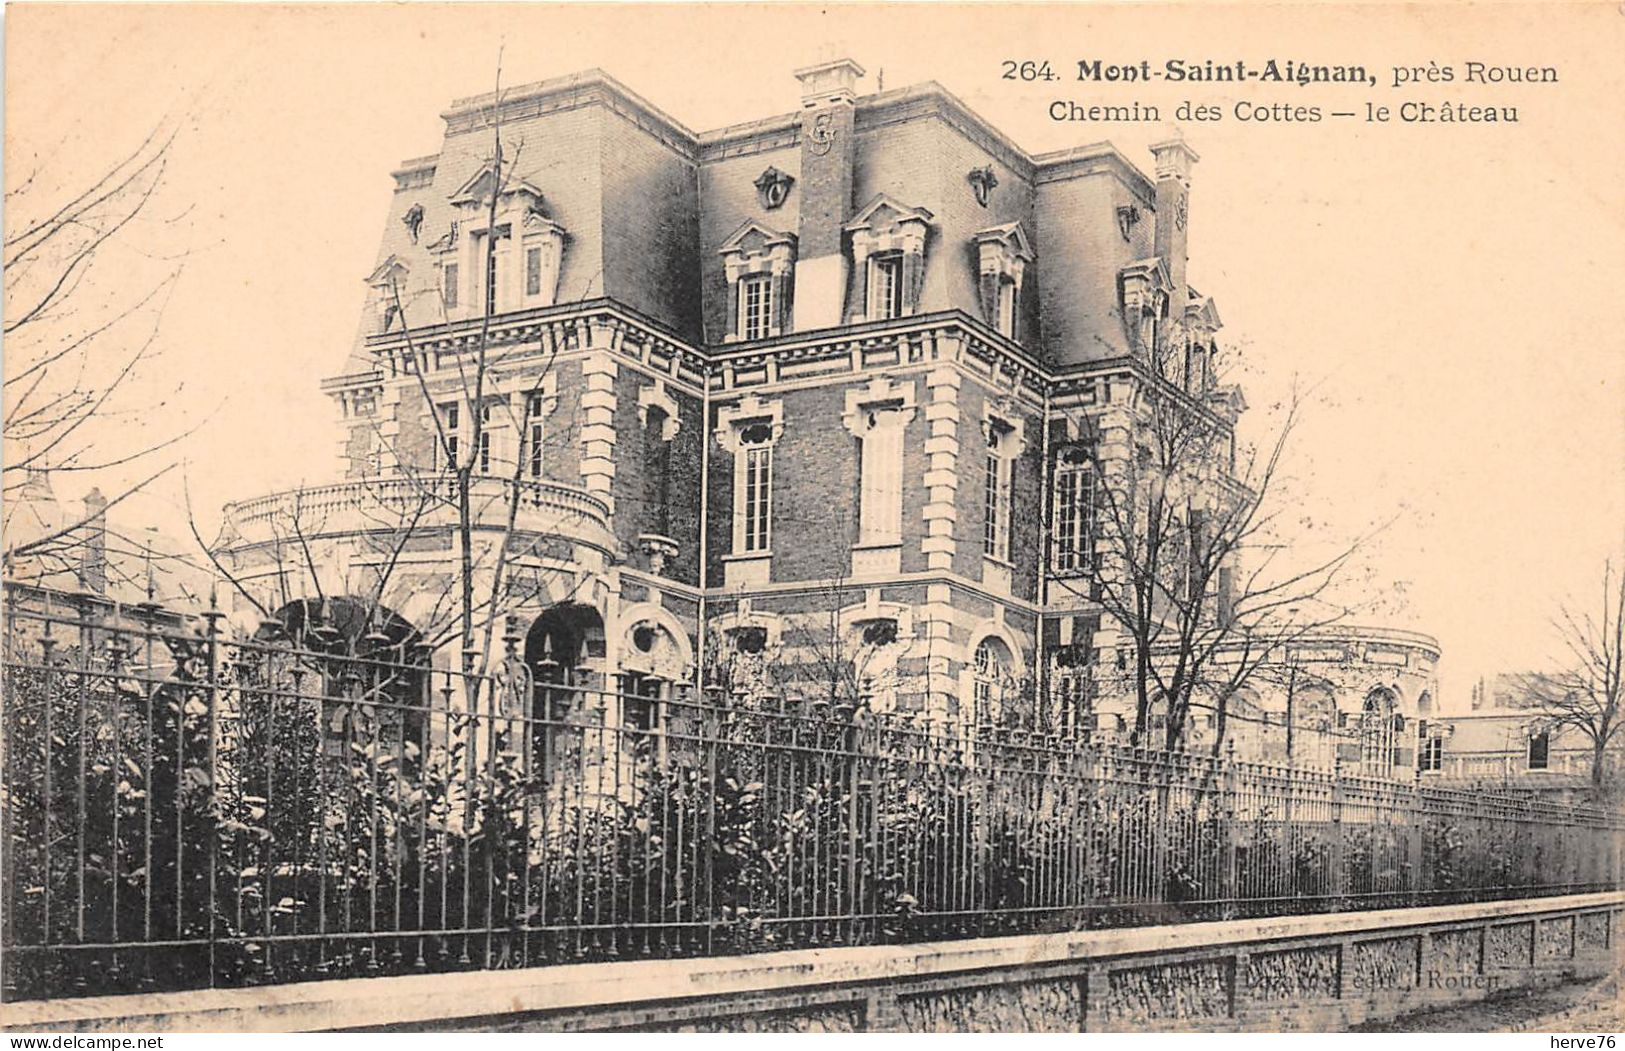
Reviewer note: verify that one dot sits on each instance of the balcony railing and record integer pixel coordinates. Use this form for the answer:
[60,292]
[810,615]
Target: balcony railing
[412,502]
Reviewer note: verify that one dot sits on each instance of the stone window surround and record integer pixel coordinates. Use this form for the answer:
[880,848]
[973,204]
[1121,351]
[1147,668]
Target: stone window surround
[901,398]
[656,396]
[772,624]
[655,615]
[731,422]
[999,417]
[1002,256]
[1064,562]
[775,259]
[521,209]
[993,627]
[907,241]
[515,389]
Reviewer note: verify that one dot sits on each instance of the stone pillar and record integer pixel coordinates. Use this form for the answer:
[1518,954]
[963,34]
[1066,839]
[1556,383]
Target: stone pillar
[598,426]
[942,468]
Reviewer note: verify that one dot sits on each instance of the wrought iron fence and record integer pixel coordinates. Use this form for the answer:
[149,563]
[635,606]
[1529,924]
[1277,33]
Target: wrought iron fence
[182,809]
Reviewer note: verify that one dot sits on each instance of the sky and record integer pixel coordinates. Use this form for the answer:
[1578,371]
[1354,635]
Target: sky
[1449,293]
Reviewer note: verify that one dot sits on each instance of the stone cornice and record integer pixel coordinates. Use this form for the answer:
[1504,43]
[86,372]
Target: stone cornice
[586,88]
[782,131]
[758,136]
[917,341]
[1078,161]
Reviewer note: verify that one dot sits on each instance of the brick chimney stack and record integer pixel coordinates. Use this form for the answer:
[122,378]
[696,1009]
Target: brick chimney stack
[828,91]
[1174,160]
[93,556]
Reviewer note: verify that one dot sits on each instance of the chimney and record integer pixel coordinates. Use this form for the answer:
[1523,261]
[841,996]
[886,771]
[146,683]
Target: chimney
[827,149]
[93,559]
[1174,160]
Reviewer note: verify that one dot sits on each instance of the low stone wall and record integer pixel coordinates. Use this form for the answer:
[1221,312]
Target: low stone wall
[1317,972]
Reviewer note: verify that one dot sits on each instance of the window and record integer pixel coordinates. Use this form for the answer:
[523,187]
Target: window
[1431,756]
[990,674]
[755,306]
[485,439]
[495,265]
[533,271]
[880,500]
[1074,512]
[451,420]
[535,409]
[996,531]
[886,286]
[448,282]
[753,504]
[1070,690]
[1377,733]
[657,477]
[640,705]
[1539,749]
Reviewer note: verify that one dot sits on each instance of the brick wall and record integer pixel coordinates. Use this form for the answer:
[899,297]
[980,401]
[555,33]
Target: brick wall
[637,483]
[561,433]
[815,488]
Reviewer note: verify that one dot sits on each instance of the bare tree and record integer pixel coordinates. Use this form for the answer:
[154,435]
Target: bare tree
[1584,695]
[87,279]
[1190,559]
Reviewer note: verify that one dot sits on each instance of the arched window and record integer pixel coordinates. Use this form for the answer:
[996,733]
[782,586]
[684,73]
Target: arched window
[1377,731]
[990,675]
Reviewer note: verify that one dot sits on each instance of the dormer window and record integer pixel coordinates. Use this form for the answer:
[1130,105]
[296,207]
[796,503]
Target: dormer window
[496,258]
[1143,293]
[533,271]
[1003,253]
[513,263]
[888,255]
[386,283]
[758,262]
